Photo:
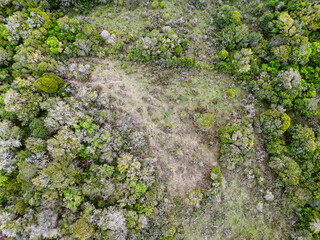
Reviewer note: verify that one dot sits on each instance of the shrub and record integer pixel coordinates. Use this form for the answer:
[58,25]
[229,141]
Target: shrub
[162,4]
[194,198]
[155,4]
[206,121]
[231,93]
[236,140]
[223,54]
[49,82]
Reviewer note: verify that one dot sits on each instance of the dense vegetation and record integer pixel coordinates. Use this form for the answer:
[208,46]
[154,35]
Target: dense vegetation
[74,165]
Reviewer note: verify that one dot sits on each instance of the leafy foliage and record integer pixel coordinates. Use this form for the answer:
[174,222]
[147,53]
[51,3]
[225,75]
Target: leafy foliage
[49,82]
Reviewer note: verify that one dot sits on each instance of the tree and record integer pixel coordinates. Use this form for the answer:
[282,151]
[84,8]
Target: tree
[303,141]
[82,229]
[113,221]
[227,15]
[242,60]
[281,53]
[285,24]
[307,107]
[232,35]
[10,140]
[22,100]
[49,82]
[272,123]
[288,170]
[236,140]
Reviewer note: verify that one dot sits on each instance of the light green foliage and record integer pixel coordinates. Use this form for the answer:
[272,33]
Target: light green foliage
[155,4]
[223,54]
[206,121]
[308,12]
[140,189]
[49,82]
[168,231]
[89,30]
[89,126]
[162,4]
[124,162]
[73,198]
[82,229]
[58,175]
[27,171]
[64,145]
[288,170]
[216,181]
[300,49]
[291,173]
[54,45]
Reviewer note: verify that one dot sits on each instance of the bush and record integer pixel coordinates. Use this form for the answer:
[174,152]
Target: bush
[49,82]
[155,4]
[231,93]
[194,198]
[223,54]
[236,140]
[206,121]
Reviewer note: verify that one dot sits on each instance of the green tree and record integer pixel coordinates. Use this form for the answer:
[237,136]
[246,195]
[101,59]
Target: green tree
[49,82]
[82,229]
